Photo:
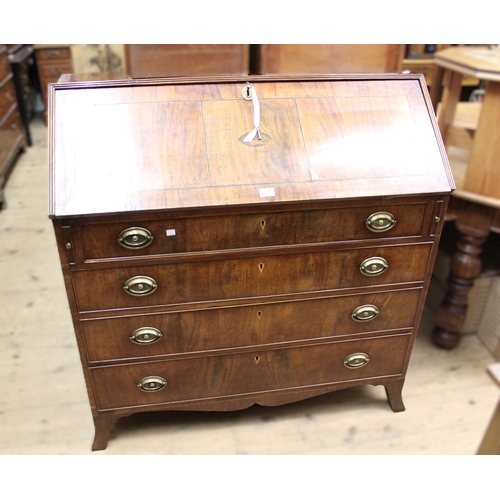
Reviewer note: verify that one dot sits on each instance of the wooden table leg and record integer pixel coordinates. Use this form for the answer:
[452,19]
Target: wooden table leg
[473,223]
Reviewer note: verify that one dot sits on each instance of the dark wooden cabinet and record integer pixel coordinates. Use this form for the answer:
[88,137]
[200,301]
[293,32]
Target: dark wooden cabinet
[22,61]
[163,60]
[53,61]
[326,58]
[12,136]
[159,60]
[204,272]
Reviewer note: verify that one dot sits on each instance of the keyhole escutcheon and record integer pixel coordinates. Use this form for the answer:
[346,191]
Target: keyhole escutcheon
[257,359]
[261,267]
[247,93]
[262,224]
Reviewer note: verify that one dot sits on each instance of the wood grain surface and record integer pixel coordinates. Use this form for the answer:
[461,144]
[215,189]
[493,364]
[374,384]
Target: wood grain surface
[256,372]
[171,145]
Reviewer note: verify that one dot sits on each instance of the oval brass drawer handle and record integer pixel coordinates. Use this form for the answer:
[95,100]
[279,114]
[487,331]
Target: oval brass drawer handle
[135,238]
[374,266]
[380,222]
[152,383]
[366,312]
[145,335]
[140,285]
[356,360]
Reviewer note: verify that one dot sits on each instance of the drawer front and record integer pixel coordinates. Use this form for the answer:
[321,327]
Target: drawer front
[233,327]
[187,60]
[5,68]
[196,234]
[7,97]
[51,73]
[8,141]
[54,54]
[253,372]
[247,277]
[13,121]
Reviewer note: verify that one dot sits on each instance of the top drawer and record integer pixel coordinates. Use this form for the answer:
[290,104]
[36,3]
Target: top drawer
[4,66]
[233,231]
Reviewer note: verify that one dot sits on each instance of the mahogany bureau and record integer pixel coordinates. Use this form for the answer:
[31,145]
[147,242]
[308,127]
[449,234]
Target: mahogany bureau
[226,243]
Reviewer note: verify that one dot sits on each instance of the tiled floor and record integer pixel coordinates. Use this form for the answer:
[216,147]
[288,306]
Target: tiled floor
[44,409]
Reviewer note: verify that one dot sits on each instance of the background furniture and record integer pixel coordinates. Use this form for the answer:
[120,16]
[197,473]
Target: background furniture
[22,61]
[328,58]
[12,137]
[53,60]
[475,205]
[163,60]
[193,60]
[419,58]
[186,60]
[490,444]
[209,273]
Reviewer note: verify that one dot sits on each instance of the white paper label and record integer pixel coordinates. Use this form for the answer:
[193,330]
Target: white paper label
[266,192]
[170,232]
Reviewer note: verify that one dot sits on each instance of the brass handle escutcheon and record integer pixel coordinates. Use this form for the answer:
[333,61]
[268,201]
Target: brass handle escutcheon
[374,266]
[366,312]
[152,383]
[380,222]
[140,285]
[135,238]
[145,335]
[356,360]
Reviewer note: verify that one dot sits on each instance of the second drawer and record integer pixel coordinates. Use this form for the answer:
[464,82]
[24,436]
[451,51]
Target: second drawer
[199,281]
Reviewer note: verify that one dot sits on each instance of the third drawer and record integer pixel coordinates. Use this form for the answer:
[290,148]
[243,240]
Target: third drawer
[258,324]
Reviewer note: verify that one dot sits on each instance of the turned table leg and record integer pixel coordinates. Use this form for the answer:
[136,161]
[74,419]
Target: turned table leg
[473,227]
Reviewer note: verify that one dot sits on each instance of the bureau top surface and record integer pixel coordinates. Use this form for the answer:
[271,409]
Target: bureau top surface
[161,144]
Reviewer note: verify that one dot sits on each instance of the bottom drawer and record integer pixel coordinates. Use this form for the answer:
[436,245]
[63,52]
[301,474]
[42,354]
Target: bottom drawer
[219,376]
